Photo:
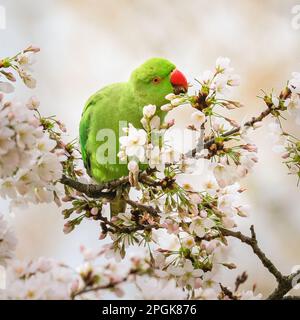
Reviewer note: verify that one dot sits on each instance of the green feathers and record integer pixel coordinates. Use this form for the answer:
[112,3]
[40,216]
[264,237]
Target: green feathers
[115,106]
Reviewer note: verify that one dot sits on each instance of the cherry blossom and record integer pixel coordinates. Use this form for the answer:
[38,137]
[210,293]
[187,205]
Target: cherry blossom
[200,225]
[294,83]
[293,106]
[133,143]
[186,273]
[149,111]
[198,118]
[8,241]
[159,289]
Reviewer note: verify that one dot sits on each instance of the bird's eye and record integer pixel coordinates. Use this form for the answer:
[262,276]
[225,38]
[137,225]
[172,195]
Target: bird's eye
[156,80]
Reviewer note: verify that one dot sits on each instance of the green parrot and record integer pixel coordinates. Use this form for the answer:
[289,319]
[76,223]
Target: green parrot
[148,84]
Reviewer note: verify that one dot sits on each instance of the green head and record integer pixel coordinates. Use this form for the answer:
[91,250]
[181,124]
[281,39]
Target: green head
[156,78]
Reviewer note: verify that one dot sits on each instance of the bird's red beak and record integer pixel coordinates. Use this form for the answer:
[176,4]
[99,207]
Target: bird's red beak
[179,82]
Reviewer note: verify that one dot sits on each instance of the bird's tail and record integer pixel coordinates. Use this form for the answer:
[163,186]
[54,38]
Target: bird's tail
[117,206]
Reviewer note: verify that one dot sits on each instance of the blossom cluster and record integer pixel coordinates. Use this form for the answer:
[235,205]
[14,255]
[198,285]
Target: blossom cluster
[95,278]
[98,278]
[30,146]
[285,143]
[29,163]
[8,241]
[147,145]
[38,279]
[293,102]
[22,64]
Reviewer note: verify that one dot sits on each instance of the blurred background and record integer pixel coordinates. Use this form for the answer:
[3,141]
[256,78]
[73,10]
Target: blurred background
[88,44]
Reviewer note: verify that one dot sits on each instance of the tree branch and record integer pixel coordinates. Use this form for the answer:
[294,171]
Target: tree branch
[207,144]
[249,123]
[285,283]
[142,207]
[283,95]
[94,190]
[105,189]
[252,242]
[92,289]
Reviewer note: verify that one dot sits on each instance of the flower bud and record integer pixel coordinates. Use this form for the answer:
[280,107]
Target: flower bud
[32,49]
[149,110]
[166,107]
[176,102]
[170,96]
[94,211]
[68,227]
[33,103]
[102,236]
[133,166]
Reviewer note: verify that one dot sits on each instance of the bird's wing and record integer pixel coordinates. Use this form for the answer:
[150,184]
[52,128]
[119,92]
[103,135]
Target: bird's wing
[104,110]
[84,129]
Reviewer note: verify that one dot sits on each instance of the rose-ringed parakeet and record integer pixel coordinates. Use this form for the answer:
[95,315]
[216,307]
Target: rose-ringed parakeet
[148,84]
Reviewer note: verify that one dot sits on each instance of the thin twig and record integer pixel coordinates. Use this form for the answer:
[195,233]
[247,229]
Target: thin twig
[105,189]
[252,242]
[92,289]
[207,144]
[284,283]
[93,190]
[142,207]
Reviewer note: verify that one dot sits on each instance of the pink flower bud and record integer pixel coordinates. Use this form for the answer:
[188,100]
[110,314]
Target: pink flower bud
[285,155]
[171,123]
[11,116]
[94,211]
[32,49]
[35,122]
[68,227]
[195,198]
[203,214]
[33,103]
[66,199]
[62,126]
[114,219]
[74,286]
[198,283]
[102,236]
[119,292]
[250,147]
[257,125]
